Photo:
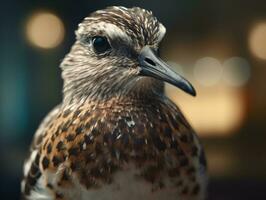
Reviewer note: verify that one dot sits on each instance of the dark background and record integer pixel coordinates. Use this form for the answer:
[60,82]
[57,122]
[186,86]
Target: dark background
[229,113]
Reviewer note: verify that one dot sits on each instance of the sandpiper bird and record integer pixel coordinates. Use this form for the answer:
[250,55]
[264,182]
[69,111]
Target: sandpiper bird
[116,135]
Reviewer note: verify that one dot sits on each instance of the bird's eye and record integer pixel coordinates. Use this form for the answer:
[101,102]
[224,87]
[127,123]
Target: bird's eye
[100,44]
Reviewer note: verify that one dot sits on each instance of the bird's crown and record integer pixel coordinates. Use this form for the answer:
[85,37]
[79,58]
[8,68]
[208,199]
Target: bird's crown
[133,25]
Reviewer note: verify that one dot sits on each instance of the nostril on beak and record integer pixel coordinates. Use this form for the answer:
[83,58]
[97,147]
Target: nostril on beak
[149,61]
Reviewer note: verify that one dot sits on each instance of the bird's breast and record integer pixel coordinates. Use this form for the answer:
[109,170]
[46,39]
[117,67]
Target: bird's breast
[129,152]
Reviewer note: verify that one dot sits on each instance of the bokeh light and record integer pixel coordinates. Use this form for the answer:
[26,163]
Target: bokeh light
[208,71]
[45,30]
[236,71]
[257,40]
[218,111]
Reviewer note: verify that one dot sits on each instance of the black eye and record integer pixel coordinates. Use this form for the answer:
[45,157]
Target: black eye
[100,44]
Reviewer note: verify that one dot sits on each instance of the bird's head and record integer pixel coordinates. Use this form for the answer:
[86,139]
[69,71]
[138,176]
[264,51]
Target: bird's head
[116,54]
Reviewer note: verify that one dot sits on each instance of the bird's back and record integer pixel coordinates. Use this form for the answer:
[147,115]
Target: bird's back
[117,150]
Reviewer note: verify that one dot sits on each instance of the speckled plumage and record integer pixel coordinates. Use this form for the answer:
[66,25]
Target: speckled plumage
[115,135]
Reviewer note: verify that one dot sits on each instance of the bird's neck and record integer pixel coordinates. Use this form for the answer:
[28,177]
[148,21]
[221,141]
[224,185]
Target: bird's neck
[144,89]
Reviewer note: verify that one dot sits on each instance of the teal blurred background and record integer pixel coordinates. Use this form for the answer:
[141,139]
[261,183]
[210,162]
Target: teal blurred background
[220,45]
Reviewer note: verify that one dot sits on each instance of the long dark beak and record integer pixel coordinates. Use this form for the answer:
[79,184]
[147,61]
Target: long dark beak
[151,65]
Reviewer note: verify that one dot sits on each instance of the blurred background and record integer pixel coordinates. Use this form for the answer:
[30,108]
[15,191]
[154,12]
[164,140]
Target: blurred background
[220,45]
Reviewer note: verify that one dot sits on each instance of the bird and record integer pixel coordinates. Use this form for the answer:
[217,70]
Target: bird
[116,135]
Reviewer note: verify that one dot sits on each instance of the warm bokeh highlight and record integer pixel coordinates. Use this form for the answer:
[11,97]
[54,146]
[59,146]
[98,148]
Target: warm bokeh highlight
[45,30]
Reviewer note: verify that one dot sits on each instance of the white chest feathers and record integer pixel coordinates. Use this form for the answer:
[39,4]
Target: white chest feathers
[126,185]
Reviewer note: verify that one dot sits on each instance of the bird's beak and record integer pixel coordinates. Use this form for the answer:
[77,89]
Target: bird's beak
[151,65]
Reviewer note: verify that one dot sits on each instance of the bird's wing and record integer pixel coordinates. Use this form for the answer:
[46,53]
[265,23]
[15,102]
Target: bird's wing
[31,167]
